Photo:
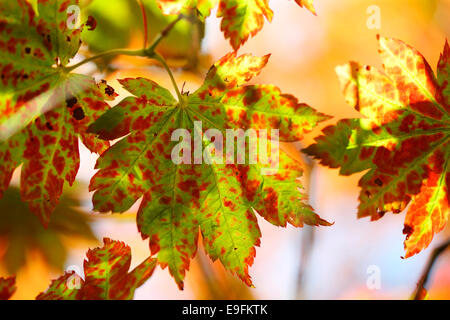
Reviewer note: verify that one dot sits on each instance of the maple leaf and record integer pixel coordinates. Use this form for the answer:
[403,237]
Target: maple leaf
[219,199]
[243,19]
[33,49]
[172,7]
[34,84]
[48,147]
[106,276]
[240,19]
[7,287]
[403,139]
[308,4]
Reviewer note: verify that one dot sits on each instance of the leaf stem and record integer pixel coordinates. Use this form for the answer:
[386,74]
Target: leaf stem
[164,33]
[115,52]
[427,272]
[172,78]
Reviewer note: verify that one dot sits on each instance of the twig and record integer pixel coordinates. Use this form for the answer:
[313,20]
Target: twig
[164,64]
[146,52]
[164,33]
[427,272]
[144,21]
[115,52]
[307,235]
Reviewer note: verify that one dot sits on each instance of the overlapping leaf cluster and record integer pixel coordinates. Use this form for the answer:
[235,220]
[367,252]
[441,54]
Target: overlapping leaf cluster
[402,139]
[217,198]
[402,142]
[241,19]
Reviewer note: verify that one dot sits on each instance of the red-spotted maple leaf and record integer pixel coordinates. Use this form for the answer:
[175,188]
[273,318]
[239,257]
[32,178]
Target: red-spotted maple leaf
[106,276]
[48,147]
[220,199]
[34,48]
[402,140]
[172,7]
[241,19]
[7,287]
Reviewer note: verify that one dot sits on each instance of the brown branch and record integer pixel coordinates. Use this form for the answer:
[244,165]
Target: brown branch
[427,272]
[144,21]
[307,234]
[145,52]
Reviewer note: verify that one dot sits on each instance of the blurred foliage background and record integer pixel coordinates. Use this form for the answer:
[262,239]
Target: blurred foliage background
[323,263]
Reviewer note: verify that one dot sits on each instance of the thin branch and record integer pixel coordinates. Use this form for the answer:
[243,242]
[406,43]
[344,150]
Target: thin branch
[174,83]
[146,52]
[427,272]
[164,33]
[115,52]
[307,235]
[144,21]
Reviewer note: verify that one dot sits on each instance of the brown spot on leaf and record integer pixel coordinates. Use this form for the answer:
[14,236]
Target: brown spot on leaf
[91,23]
[49,126]
[109,91]
[78,113]
[71,102]
[408,230]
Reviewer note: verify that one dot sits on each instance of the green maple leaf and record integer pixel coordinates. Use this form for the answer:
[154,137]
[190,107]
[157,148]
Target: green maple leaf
[43,108]
[48,147]
[240,19]
[106,276]
[7,287]
[219,199]
[402,139]
[34,48]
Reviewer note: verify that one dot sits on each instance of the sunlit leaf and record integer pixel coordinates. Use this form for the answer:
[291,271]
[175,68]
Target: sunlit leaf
[172,7]
[403,139]
[219,199]
[34,47]
[241,19]
[308,4]
[106,276]
[43,108]
[48,147]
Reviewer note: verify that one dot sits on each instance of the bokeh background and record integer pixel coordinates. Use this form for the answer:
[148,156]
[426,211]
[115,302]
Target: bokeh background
[322,263]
